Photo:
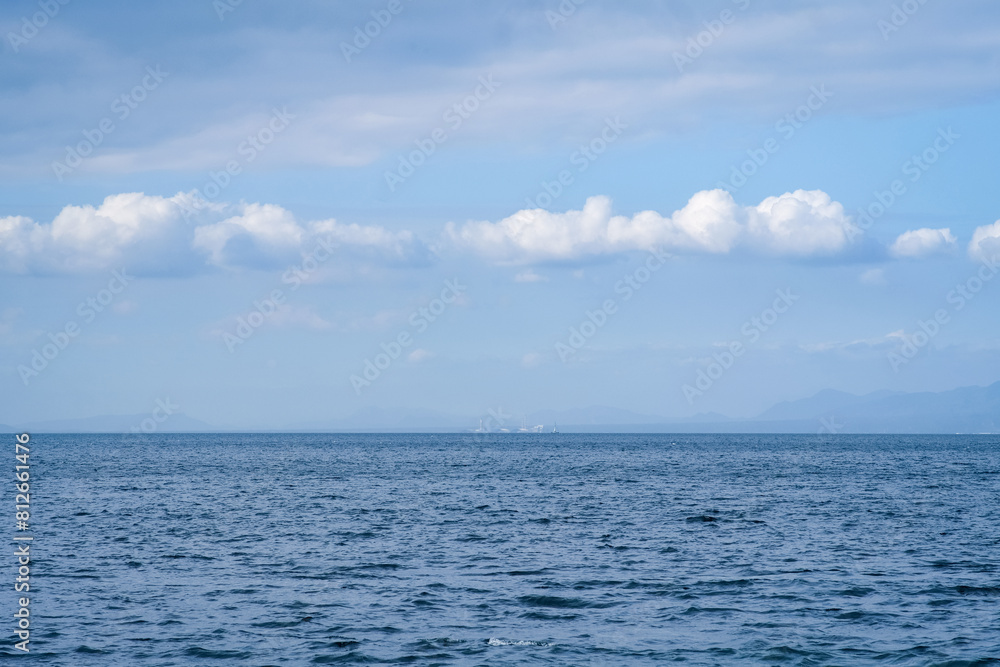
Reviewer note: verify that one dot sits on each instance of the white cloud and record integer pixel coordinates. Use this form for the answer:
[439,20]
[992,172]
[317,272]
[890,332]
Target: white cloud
[373,241]
[919,243]
[300,317]
[529,276]
[259,232]
[125,307]
[88,238]
[532,360]
[874,277]
[985,244]
[150,235]
[608,57]
[7,318]
[801,223]
[419,355]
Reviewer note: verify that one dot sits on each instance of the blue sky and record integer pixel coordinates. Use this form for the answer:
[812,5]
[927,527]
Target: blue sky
[536,155]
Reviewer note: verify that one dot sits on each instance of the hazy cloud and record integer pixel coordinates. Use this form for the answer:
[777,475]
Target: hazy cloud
[923,243]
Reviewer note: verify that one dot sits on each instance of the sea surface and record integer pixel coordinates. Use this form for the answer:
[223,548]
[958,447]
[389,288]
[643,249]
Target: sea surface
[541,549]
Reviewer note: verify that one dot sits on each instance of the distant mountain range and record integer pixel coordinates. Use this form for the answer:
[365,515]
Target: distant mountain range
[964,410]
[176,423]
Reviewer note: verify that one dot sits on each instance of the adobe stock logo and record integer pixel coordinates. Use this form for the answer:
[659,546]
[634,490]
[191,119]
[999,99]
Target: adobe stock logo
[419,320]
[122,107]
[161,413]
[381,18]
[248,150]
[959,298]
[30,27]
[899,17]
[455,116]
[714,29]
[59,341]
[787,126]
[752,330]
[595,320]
[581,158]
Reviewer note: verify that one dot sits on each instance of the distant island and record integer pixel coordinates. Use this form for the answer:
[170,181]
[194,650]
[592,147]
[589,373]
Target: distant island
[963,410]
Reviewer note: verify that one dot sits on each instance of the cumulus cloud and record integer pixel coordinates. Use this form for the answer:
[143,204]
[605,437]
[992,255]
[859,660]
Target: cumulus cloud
[800,223]
[87,238]
[261,232]
[159,235]
[153,234]
[919,243]
[985,244]
[797,224]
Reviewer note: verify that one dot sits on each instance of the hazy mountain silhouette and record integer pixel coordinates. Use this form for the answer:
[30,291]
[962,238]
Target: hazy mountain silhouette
[175,423]
[963,410]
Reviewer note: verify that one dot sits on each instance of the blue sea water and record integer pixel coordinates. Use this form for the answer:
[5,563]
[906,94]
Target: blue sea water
[547,549]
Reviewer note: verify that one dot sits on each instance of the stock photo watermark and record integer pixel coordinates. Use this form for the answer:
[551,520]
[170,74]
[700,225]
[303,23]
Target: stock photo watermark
[787,126]
[958,298]
[455,116]
[594,320]
[30,26]
[581,158]
[122,107]
[223,7]
[265,308]
[829,426]
[299,273]
[752,330]
[915,167]
[419,322]
[697,45]
[899,17]
[248,151]
[160,414]
[247,325]
[88,309]
[563,12]
[22,554]
[363,35]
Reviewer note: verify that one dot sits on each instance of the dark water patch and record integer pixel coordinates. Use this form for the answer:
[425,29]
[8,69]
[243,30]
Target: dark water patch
[554,602]
[352,658]
[990,591]
[473,538]
[542,616]
[857,592]
[83,648]
[707,610]
[217,654]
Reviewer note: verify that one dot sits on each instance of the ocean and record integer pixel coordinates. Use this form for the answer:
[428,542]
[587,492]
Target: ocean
[503,549]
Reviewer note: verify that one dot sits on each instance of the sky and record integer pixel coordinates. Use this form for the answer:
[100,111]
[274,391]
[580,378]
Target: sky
[273,214]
